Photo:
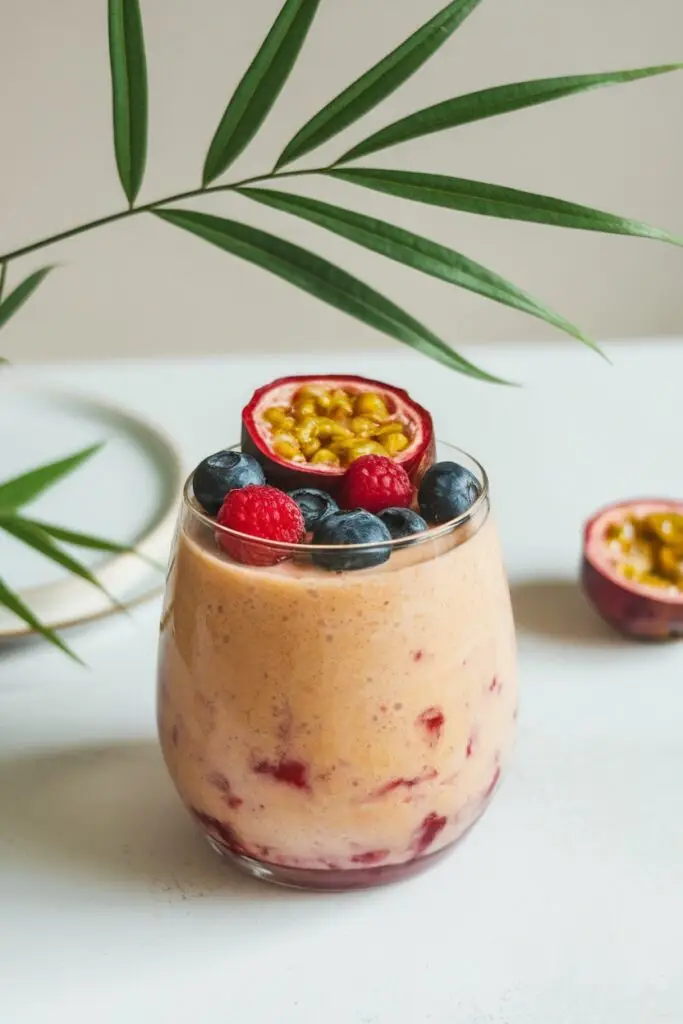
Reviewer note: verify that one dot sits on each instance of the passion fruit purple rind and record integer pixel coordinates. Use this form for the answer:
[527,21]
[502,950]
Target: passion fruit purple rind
[632,569]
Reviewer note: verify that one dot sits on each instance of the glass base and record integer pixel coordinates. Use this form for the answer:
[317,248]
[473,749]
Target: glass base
[329,880]
[224,841]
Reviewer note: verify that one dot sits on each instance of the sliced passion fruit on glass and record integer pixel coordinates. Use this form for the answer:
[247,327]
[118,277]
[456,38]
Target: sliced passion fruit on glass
[633,567]
[306,431]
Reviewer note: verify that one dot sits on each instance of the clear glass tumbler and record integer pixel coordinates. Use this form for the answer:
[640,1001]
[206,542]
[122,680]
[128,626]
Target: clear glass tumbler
[337,730]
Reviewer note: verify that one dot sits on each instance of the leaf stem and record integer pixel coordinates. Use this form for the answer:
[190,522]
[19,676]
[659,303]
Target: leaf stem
[146,208]
[3,273]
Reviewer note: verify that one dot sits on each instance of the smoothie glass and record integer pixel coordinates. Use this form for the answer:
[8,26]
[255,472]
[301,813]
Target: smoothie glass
[337,730]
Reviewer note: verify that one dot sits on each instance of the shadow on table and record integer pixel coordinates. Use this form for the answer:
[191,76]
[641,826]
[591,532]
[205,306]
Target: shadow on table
[555,608]
[110,810]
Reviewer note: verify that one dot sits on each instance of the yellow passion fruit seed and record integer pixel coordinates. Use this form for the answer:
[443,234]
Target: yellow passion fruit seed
[395,443]
[333,427]
[363,427]
[371,405]
[654,545]
[324,455]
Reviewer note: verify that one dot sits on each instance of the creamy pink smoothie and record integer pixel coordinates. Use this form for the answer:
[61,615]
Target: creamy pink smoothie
[338,726]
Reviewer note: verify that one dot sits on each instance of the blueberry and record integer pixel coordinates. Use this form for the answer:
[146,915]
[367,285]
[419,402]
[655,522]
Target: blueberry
[354,527]
[314,505]
[447,490]
[402,522]
[222,472]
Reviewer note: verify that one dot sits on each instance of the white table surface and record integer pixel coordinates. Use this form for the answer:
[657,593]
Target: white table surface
[565,904]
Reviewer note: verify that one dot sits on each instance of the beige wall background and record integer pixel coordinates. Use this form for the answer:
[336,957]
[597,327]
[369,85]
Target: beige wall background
[140,287]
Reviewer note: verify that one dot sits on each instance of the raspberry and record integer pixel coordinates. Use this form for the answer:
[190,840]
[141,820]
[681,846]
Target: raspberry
[375,482]
[259,511]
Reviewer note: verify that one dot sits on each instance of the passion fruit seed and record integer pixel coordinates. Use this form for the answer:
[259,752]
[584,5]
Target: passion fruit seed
[309,448]
[341,402]
[328,428]
[669,564]
[334,427]
[389,428]
[395,443]
[363,427]
[365,448]
[654,545]
[307,429]
[668,527]
[371,405]
[287,446]
[303,408]
[325,456]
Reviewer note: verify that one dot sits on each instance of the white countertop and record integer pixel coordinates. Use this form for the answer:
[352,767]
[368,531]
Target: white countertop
[563,906]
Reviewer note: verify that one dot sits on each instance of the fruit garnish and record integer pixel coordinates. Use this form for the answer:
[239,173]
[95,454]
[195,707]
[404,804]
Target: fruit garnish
[263,512]
[305,431]
[354,527]
[222,472]
[447,491]
[632,568]
[374,482]
[402,522]
[314,504]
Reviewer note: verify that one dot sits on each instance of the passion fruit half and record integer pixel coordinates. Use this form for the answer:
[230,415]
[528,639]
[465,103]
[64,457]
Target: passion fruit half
[305,431]
[632,569]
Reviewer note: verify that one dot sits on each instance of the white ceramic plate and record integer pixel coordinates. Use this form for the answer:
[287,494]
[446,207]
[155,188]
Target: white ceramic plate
[128,492]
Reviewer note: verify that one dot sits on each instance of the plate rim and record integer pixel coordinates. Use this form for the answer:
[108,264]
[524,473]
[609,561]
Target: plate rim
[163,521]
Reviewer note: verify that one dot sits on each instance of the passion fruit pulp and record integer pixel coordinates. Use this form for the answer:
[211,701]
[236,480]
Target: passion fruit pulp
[305,431]
[632,570]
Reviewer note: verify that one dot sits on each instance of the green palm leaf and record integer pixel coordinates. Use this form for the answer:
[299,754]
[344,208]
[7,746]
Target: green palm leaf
[415,251]
[21,490]
[35,537]
[323,280]
[260,86]
[21,293]
[502,99]
[129,93]
[379,82]
[81,540]
[11,600]
[87,540]
[496,201]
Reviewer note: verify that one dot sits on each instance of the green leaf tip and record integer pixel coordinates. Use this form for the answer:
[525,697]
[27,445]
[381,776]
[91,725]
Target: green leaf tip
[128,65]
[489,200]
[10,599]
[492,102]
[35,537]
[23,291]
[260,86]
[378,82]
[23,489]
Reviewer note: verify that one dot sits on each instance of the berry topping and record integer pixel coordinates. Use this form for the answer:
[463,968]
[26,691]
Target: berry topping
[374,482]
[263,512]
[354,527]
[402,522]
[447,491]
[223,472]
[314,505]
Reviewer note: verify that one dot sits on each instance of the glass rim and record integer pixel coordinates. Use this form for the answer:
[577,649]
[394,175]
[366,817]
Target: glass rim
[394,543]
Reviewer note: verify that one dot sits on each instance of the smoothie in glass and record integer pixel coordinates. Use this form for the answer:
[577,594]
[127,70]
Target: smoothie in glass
[338,729]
